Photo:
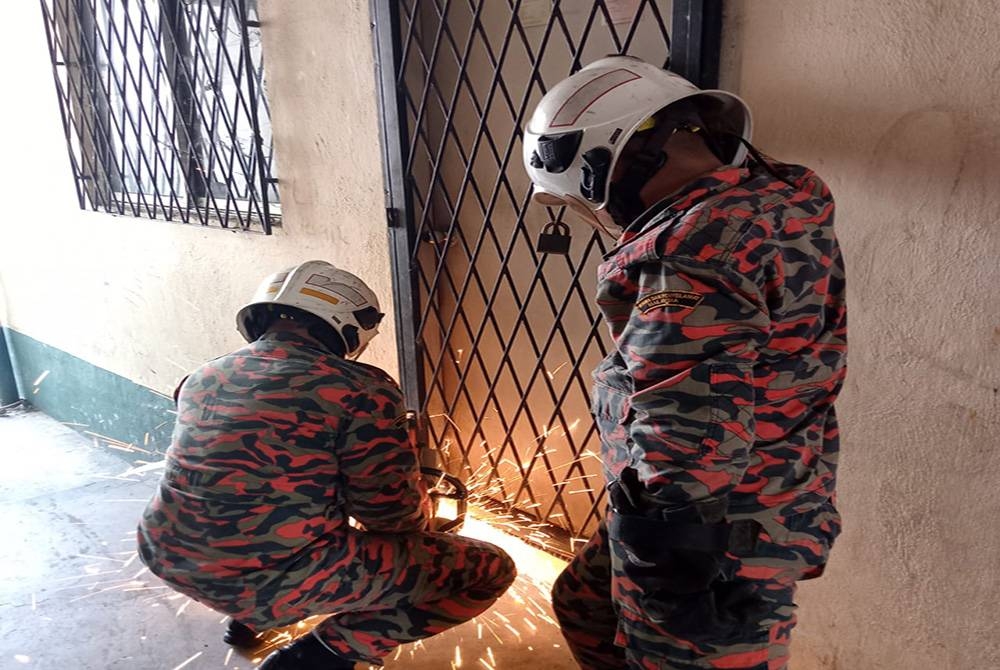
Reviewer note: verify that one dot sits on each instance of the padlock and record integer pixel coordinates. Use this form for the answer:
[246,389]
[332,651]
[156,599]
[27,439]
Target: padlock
[449,497]
[554,239]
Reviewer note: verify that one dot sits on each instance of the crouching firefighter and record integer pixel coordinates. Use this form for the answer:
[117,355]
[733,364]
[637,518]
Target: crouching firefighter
[724,297]
[275,446]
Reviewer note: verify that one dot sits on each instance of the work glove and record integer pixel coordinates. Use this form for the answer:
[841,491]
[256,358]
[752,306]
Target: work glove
[677,560]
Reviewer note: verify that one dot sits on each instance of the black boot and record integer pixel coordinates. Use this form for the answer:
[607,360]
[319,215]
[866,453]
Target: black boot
[240,636]
[306,653]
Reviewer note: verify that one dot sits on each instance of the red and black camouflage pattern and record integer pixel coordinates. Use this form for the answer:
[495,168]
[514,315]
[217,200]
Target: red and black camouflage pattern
[726,303]
[275,446]
[611,635]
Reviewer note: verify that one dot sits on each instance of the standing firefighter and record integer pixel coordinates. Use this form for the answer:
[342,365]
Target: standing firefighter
[725,300]
[275,446]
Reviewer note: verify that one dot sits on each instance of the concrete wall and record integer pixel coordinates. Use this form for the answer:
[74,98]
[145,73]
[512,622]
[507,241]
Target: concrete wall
[149,300]
[896,105]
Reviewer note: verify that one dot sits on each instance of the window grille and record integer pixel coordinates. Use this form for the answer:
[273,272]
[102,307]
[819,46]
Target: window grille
[164,109]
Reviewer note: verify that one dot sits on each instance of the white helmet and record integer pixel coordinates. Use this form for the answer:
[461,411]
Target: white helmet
[335,297]
[575,136]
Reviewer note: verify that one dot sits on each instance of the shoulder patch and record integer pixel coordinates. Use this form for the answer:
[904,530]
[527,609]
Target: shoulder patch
[683,299]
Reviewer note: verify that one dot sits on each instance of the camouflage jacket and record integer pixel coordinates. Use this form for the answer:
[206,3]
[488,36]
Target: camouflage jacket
[274,446]
[726,306]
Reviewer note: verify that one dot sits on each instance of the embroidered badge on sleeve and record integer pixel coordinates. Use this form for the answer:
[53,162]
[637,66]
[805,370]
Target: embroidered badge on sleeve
[660,299]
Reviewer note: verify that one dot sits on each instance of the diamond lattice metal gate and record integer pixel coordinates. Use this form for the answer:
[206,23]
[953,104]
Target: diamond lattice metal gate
[497,340]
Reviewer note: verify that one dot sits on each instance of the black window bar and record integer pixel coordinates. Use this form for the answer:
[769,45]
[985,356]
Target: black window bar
[497,340]
[164,109]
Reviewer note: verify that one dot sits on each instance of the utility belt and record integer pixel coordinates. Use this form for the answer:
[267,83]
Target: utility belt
[653,535]
[699,527]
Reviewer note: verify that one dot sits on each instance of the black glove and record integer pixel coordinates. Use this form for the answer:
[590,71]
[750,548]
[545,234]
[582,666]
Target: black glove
[726,612]
[677,559]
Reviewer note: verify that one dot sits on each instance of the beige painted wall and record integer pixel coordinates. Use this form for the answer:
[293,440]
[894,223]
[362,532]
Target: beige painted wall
[897,105]
[149,299]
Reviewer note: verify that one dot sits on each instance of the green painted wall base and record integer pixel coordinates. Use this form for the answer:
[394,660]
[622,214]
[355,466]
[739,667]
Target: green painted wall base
[8,385]
[118,413]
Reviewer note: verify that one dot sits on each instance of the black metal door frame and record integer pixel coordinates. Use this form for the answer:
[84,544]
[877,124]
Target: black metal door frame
[398,203]
[694,43]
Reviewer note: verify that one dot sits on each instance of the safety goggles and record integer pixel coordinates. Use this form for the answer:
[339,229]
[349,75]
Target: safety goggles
[369,317]
[555,154]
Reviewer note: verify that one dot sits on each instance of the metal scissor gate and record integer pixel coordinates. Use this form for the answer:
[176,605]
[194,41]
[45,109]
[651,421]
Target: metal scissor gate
[497,341]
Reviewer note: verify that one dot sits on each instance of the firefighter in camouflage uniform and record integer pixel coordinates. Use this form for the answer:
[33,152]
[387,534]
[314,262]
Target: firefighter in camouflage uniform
[275,446]
[724,296]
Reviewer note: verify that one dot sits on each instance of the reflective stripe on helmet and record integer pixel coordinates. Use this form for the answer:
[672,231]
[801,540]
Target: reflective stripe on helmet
[590,93]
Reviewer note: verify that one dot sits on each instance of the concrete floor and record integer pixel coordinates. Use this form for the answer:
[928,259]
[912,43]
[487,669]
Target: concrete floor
[74,595]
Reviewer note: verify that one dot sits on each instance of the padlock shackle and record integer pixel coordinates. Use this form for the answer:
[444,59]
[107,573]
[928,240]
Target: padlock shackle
[561,226]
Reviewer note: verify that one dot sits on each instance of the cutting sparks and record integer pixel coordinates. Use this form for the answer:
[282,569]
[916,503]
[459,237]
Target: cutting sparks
[187,662]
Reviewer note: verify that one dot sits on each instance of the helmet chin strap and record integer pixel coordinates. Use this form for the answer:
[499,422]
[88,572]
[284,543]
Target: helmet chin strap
[759,159]
[624,203]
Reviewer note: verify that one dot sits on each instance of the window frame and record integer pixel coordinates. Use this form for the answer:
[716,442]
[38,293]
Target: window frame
[164,109]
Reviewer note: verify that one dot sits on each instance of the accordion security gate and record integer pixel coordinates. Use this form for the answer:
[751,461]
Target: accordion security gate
[497,340]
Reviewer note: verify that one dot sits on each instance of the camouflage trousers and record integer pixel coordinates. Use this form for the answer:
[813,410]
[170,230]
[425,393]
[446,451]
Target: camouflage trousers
[601,620]
[379,590]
